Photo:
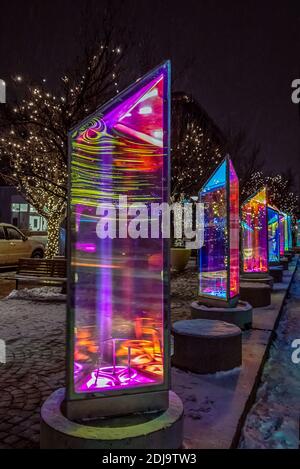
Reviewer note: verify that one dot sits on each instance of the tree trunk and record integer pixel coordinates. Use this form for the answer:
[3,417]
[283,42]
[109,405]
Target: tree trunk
[52,248]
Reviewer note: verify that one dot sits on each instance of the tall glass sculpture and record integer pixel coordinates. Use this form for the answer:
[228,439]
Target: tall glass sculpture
[219,256]
[288,232]
[273,235]
[298,234]
[118,312]
[282,233]
[255,234]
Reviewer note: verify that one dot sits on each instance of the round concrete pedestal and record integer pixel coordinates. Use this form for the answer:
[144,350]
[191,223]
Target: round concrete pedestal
[276,272]
[141,431]
[240,315]
[206,346]
[258,295]
[289,255]
[284,262]
[268,279]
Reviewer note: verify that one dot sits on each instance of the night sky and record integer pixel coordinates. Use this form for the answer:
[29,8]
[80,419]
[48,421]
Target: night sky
[237,58]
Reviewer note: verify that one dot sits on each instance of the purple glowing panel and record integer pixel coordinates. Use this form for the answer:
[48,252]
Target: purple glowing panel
[219,256]
[118,305]
[281,233]
[234,233]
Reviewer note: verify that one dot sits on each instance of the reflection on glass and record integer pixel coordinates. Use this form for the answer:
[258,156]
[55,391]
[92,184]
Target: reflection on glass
[273,235]
[234,230]
[219,256]
[288,237]
[254,233]
[298,234]
[117,286]
[290,234]
[282,233]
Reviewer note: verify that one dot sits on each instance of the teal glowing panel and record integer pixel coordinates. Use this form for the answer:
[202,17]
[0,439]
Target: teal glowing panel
[298,234]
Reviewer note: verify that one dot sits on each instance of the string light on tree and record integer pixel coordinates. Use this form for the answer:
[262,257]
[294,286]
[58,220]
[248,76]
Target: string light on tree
[33,135]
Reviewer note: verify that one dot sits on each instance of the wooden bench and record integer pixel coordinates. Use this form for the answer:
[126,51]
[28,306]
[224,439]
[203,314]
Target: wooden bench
[42,271]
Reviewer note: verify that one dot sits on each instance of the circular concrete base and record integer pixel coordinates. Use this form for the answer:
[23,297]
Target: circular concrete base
[268,279]
[241,315]
[206,346]
[258,295]
[277,273]
[284,262]
[161,430]
[289,255]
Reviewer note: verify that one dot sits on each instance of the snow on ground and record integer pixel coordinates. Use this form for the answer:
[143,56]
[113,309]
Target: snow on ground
[273,422]
[38,294]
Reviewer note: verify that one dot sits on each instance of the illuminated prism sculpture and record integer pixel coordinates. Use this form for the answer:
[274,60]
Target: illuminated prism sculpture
[298,234]
[118,310]
[288,236]
[273,236]
[282,233]
[255,234]
[219,256]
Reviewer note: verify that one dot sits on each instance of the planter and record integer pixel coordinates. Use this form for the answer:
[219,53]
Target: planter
[180,258]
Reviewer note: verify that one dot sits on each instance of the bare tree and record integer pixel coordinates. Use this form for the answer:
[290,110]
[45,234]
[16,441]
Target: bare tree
[34,129]
[246,158]
[197,146]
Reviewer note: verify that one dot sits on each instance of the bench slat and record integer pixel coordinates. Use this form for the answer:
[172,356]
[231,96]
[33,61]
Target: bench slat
[41,270]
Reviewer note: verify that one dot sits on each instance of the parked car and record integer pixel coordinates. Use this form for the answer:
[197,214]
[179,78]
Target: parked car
[40,236]
[14,245]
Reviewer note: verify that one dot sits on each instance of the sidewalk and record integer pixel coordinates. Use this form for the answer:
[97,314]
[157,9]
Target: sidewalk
[35,338]
[216,405]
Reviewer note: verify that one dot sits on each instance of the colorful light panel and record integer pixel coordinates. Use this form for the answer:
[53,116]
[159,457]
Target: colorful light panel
[219,256]
[298,234]
[255,233]
[289,232]
[282,233]
[288,236]
[273,235]
[118,311]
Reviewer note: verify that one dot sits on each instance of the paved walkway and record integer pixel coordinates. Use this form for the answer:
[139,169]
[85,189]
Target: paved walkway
[35,338]
[35,334]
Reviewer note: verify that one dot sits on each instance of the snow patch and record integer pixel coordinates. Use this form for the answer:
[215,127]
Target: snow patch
[38,294]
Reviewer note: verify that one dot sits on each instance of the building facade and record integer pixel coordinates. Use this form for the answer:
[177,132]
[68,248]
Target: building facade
[16,210]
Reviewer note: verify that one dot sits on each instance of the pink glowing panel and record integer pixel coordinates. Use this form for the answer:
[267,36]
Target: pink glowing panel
[255,233]
[234,230]
[86,247]
[118,305]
